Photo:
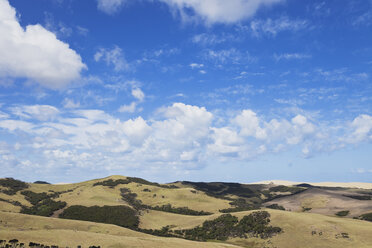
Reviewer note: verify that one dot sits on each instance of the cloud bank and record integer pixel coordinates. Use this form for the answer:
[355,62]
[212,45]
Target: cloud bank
[181,136]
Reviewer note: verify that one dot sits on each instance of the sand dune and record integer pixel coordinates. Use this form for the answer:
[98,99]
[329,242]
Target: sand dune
[325,184]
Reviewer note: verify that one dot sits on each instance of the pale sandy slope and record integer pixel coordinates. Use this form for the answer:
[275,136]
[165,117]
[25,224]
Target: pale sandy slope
[324,184]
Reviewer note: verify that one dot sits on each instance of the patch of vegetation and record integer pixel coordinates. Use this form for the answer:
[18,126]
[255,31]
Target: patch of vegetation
[367,217]
[15,243]
[179,210]
[14,203]
[13,185]
[35,198]
[112,183]
[276,206]
[306,209]
[305,185]
[42,203]
[131,199]
[164,232]
[44,208]
[41,182]
[118,215]
[222,190]
[240,204]
[360,197]
[227,226]
[343,213]
[282,188]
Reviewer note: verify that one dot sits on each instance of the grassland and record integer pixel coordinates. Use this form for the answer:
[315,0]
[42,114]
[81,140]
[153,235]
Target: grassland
[70,233]
[318,228]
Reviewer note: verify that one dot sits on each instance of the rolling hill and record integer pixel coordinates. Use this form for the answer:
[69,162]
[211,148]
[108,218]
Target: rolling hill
[122,211]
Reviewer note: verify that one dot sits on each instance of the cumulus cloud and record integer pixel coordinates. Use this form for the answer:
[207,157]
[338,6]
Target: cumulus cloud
[362,129]
[180,135]
[35,53]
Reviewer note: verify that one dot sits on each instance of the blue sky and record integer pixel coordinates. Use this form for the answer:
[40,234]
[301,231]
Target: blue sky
[240,90]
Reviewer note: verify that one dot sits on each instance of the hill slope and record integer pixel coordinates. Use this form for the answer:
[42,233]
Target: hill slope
[170,209]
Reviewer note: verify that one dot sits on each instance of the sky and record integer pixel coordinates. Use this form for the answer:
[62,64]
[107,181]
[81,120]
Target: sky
[198,90]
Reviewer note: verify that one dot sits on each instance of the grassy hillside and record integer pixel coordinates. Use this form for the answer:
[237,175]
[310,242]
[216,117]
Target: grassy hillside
[310,219]
[70,233]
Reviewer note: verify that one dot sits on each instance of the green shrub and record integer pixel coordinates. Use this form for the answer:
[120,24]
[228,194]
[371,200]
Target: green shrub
[118,215]
[13,185]
[179,210]
[44,208]
[275,206]
[343,213]
[227,226]
[112,183]
[367,217]
[360,197]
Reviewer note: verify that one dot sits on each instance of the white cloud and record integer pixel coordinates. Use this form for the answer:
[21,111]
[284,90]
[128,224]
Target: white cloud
[212,39]
[207,11]
[131,108]
[114,57]
[273,27]
[70,104]
[38,112]
[291,56]
[361,129]
[249,124]
[179,135]
[110,6]
[196,65]
[35,53]
[138,94]
[231,55]
[217,11]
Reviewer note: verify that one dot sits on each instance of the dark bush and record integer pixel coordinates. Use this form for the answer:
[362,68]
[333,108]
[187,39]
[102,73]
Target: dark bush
[111,183]
[343,213]
[35,198]
[118,215]
[41,182]
[227,226]
[275,206]
[282,188]
[367,217]
[44,208]
[131,199]
[13,185]
[179,210]
[360,197]
[240,204]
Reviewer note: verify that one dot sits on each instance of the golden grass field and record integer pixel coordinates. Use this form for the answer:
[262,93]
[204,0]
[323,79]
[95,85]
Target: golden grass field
[71,233]
[300,229]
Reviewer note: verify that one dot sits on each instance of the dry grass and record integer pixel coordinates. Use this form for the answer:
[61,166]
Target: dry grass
[156,220]
[71,233]
[182,197]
